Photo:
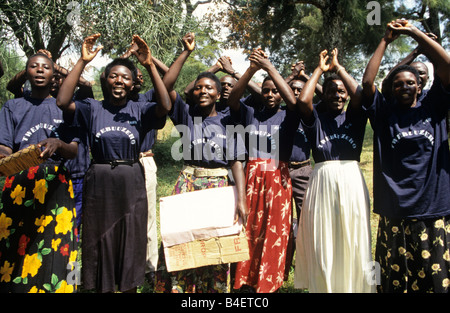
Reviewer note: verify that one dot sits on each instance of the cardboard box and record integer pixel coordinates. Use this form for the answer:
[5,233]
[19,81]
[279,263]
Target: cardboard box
[197,253]
[198,229]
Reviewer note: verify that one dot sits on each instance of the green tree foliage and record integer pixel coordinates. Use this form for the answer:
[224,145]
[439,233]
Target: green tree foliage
[300,29]
[36,24]
[57,25]
[12,64]
[61,25]
[433,15]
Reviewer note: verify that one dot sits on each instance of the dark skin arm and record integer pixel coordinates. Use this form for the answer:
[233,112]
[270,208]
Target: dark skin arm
[368,82]
[174,70]
[15,84]
[238,90]
[144,57]
[227,67]
[51,146]
[353,88]
[305,101]
[239,178]
[283,88]
[5,151]
[429,47]
[162,68]
[213,69]
[65,95]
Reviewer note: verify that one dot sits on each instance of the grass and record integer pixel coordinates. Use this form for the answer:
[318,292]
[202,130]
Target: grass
[169,169]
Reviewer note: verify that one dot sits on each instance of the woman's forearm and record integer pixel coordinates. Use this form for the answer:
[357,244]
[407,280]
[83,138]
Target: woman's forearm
[65,94]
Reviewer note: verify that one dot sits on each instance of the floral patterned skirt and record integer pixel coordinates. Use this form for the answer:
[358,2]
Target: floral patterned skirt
[268,229]
[414,255]
[37,231]
[206,279]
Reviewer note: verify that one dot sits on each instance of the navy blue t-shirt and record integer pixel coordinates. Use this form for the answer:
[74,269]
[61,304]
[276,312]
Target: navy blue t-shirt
[116,132]
[149,139]
[269,133]
[301,150]
[206,142]
[411,156]
[336,137]
[79,165]
[26,121]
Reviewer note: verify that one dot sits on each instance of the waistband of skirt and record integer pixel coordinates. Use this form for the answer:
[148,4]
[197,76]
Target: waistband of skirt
[301,164]
[204,172]
[117,162]
[337,163]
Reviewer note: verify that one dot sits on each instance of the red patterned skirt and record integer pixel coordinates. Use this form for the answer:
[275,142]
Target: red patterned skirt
[269,193]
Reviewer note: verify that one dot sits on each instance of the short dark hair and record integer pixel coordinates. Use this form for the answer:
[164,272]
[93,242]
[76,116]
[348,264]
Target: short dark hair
[124,62]
[328,81]
[40,54]
[210,76]
[267,78]
[404,68]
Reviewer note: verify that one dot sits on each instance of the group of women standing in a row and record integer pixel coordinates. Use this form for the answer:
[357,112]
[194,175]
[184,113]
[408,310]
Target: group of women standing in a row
[269,165]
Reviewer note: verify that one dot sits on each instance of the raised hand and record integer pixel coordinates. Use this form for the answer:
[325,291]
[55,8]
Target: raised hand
[257,57]
[226,64]
[334,65]
[189,41]
[46,52]
[401,26]
[87,51]
[323,58]
[142,53]
[297,68]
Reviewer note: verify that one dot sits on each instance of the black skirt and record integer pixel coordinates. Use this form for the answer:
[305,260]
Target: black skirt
[414,255]
[114,227]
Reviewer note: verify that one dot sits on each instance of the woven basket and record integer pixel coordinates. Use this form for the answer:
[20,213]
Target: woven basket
[20,160]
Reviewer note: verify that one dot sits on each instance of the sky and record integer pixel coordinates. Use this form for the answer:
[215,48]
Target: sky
[238,58]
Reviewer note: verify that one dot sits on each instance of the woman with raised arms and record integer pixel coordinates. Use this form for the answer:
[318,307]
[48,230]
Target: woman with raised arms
[115,202]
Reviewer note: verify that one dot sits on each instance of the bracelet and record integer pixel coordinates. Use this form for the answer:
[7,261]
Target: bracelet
[340,68]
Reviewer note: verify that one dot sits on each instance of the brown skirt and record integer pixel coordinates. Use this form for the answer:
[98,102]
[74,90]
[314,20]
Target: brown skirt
[114,227]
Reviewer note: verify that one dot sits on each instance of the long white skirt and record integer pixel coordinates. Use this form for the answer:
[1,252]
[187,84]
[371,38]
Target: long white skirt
[333,245]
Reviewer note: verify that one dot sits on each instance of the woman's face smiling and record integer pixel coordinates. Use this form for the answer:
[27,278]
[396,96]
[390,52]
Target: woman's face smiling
[405,88]
[40,71]
[335,96]
[119,82]
[205,92]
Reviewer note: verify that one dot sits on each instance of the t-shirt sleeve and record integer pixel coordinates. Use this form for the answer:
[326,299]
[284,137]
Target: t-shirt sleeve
[438,97]
[314,121]
[149,118]
[245,114]
[83,109]
[372,106]
[179,112]
[236,150]
[6,126]
[292,120]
